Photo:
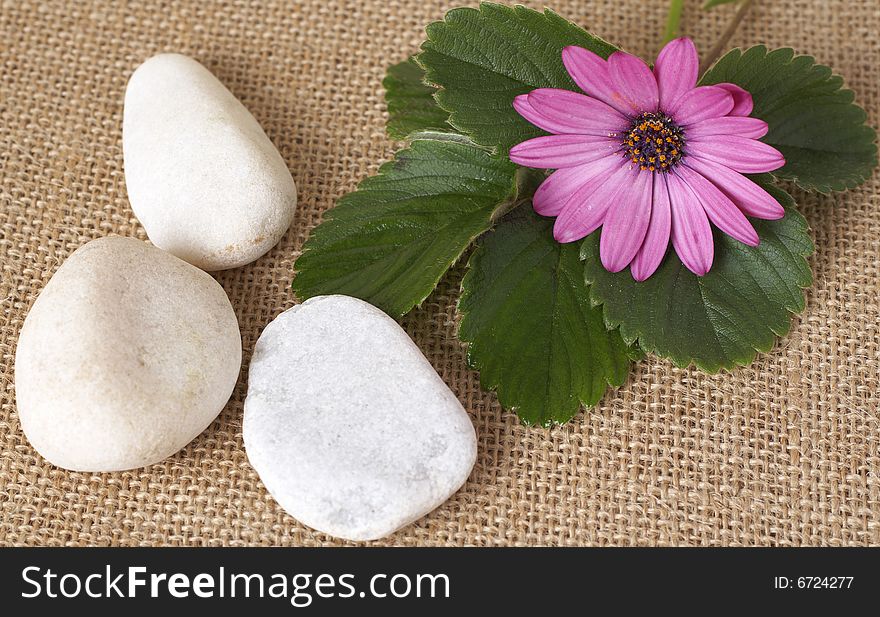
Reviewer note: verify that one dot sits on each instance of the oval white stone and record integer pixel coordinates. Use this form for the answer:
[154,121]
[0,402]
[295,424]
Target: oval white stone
[126,355]
[202,176]
[348,425]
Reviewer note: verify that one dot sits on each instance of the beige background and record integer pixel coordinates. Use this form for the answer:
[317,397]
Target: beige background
[784,452]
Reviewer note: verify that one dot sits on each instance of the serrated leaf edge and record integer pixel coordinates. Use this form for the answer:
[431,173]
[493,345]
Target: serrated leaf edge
[496,387]
[383,169]
[825,189]
[631,338]
[515,10]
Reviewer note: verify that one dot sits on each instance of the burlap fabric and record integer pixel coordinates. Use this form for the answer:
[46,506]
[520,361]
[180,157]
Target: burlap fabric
[784,452]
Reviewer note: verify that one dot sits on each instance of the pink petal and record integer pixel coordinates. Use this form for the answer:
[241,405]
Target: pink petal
[748,196]
[720,210]
[556,151]
[623,231]
[564,111]
[753,128]
[676,69]
[524,108]
[691,233]
[559,187]
[581,112]
[585,210]
[700,104]
[741,154]
[634,82]
[590,72]
[653,249]
[556,190]
[742,100]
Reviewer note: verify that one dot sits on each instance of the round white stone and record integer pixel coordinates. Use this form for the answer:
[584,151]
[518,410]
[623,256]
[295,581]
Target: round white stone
[126,355]
[348,425]
[202,177]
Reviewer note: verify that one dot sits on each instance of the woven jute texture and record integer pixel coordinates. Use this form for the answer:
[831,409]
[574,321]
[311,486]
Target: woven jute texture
[784,452]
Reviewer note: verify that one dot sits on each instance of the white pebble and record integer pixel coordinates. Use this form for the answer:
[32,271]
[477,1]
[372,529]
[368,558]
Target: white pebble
[348,425]
[126,355]
[202,177]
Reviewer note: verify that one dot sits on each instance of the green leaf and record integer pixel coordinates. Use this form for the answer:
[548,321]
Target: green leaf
[532,332]
[411,104]
[711,4]
[813,121]
[391,240]
[483,58]
[719,320]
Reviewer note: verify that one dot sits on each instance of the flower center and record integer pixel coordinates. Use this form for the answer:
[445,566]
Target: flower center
[654,142]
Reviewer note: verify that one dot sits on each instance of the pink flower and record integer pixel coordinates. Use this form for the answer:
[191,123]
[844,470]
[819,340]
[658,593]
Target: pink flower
[647,156]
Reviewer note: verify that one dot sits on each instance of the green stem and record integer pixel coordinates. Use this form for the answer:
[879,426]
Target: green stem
[728,33]
[673,20]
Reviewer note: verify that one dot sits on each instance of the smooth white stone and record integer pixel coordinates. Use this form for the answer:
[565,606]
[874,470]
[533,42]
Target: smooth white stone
[202,176]
[126,355]
[348,425]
